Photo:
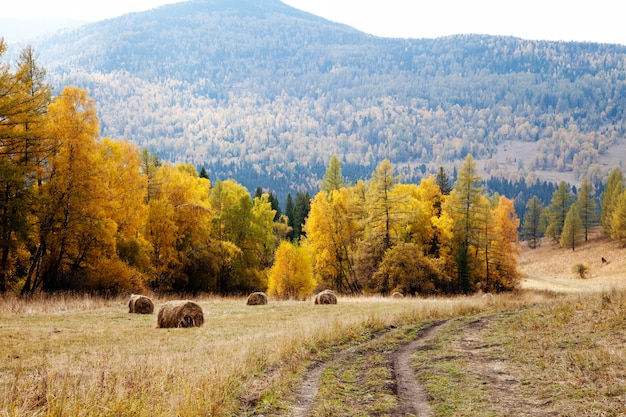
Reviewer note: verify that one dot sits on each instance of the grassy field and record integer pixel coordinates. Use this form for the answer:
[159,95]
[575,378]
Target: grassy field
[84,356]
[539,351]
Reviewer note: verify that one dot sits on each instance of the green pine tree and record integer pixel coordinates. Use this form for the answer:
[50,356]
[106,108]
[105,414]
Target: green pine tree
[301,209]
[562,199]
[443,181]
[587,207]
[333,179]
[573,233]
[532,230]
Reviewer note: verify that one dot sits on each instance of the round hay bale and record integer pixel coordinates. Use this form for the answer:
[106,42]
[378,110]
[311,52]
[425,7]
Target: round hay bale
[397,295]
[180,313]
[140,304]
[326,297]
[257,299]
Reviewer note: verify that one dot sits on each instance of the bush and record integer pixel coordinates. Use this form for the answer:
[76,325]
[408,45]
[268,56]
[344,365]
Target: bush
[581,270]
[113,277]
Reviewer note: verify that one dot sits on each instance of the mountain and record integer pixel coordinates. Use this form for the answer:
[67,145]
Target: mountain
[264,93]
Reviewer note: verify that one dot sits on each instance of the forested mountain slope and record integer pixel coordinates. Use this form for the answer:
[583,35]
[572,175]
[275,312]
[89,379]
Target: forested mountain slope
[261,92]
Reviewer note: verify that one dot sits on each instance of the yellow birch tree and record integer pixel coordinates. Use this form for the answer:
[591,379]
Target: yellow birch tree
[291,276]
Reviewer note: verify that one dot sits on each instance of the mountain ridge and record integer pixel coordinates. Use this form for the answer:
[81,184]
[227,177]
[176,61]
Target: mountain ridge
[265,93]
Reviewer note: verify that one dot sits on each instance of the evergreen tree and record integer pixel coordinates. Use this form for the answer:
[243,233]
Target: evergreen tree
[562,199]
[587,207]
[573,232]
[301,209]
[466,198]
[443,181]
[275,206]
[333,179]
[532,230]
[612,192]
[203,173]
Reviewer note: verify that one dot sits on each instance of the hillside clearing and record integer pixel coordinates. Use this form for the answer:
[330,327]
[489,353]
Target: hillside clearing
[549,267]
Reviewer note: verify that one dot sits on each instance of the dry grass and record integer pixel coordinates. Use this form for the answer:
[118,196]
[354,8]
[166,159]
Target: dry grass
[549,267]
[70,355]
[562,358]
[65,356]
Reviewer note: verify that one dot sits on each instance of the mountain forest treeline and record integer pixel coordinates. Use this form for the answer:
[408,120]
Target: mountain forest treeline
[88,214]
[82,213]
[264,93]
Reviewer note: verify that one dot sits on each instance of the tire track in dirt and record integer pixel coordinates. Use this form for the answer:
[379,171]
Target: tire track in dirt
[310,387]
[305,399]
[412,398]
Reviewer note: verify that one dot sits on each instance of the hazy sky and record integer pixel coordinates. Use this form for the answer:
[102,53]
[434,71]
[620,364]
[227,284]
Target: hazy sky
[597,21]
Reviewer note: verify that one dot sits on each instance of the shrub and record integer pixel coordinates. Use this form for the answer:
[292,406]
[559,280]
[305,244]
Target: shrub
[581,270]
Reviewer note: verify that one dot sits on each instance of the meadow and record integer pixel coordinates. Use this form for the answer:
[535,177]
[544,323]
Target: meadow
[78,355]
[548,352]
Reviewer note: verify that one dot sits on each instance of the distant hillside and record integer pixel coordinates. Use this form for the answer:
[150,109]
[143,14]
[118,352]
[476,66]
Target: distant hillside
[265,93]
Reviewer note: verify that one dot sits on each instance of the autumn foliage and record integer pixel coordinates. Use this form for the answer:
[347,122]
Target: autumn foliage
[93,214]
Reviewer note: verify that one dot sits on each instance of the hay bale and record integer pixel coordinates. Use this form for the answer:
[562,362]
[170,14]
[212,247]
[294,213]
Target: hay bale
[180,313]
[397,294]
[257,299]
[140,304]
[326,297]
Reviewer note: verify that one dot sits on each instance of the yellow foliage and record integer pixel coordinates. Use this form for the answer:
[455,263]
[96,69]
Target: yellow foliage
[333,231]
[291,276]
[124,187]
[505,246]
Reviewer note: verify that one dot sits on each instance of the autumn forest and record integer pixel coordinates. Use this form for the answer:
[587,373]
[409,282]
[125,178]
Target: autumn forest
[262,92]
[84,213]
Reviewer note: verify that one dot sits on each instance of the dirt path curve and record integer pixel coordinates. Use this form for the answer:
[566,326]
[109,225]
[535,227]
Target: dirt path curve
[310,387]
[412,399]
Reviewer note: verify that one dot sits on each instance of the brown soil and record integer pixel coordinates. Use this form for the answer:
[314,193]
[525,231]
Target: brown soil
[412,399]
[306,396]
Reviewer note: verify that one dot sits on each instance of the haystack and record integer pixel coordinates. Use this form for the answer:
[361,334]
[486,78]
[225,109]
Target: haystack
[326,297]
[140,304]
[257,299]
[180,313]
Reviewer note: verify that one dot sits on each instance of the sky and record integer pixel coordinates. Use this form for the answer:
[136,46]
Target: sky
[577,20]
